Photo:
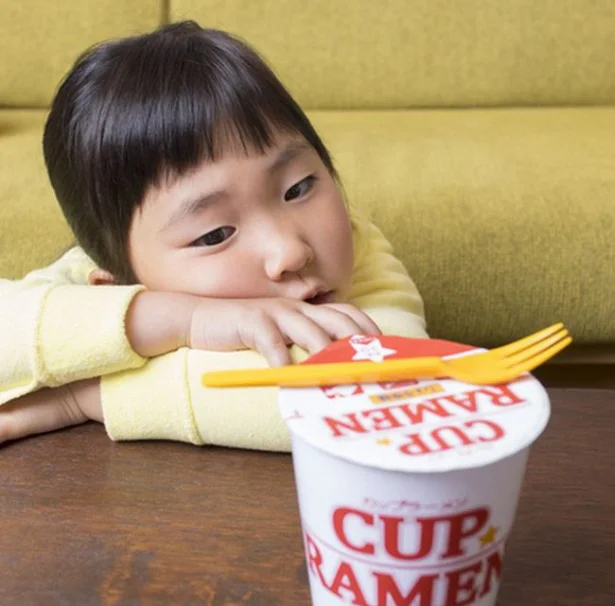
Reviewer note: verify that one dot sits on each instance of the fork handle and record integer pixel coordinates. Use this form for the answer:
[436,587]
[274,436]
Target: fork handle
[339,373]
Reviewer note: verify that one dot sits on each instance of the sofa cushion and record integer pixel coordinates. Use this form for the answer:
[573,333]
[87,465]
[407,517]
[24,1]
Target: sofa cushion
[32,228]
[504,218]
[40,40]
[367,54]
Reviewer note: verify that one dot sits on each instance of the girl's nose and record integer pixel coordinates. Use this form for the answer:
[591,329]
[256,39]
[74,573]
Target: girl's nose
[287,254]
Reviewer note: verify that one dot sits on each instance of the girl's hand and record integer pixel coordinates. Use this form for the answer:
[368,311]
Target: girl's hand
[269,326]
[49,409]
[266,325]
[160,322]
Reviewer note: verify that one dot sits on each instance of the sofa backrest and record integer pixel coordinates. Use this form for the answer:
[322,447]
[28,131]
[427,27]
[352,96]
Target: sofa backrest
[349,53]
[40,40]
[412,53]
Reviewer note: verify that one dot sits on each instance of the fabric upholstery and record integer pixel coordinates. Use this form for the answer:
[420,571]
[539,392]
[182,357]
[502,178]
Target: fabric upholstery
[40,40]
[364,54]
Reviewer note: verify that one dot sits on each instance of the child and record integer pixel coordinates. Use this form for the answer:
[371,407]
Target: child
[213,235]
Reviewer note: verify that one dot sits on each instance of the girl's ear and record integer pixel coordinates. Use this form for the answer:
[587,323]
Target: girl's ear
[99,277]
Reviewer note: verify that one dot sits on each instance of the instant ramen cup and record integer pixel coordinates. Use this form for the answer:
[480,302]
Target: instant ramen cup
[408,491]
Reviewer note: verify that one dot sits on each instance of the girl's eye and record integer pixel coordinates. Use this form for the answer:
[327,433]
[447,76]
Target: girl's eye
[300,189]
[216,236]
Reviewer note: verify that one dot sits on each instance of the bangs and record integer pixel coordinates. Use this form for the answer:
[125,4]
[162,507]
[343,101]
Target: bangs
[188,101]
[197,122]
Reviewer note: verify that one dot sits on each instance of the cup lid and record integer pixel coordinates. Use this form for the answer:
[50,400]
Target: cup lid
[426,425]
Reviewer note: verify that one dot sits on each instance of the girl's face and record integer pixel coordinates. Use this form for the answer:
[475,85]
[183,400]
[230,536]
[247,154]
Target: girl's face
[270,225]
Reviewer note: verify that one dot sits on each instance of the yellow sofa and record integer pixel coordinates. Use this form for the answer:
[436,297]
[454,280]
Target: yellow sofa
[478,135]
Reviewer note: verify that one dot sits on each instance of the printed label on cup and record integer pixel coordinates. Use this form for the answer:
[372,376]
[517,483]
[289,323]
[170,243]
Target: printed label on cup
[436,424]
[408,490]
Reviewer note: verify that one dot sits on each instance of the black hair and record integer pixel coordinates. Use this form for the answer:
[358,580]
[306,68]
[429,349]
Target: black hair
[134,111]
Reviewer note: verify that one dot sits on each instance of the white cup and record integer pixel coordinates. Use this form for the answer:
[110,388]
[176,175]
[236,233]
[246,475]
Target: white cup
[407,493]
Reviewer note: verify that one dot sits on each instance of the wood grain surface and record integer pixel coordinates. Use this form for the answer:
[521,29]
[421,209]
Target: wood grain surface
[85,521]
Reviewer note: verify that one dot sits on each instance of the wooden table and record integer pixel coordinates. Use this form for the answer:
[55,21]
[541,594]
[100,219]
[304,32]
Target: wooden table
[84,521]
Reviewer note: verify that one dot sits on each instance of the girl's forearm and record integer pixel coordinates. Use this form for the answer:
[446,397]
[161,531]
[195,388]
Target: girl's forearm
[51,408]
[159,322]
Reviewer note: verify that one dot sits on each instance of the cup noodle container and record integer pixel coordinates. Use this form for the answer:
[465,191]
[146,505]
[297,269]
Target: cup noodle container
[407,491]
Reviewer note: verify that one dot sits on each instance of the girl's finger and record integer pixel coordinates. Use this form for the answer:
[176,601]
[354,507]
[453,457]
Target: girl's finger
[367,325]
[304,331]
[260,332]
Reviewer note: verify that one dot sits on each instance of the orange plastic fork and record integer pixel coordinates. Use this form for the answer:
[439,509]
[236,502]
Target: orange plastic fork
[495,366]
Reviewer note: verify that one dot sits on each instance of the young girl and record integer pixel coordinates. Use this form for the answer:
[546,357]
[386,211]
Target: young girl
[213,234]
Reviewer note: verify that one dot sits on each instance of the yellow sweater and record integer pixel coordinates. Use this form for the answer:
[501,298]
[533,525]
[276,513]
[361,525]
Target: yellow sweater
[56,329]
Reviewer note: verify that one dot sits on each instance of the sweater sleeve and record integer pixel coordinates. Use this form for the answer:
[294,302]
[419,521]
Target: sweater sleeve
[381,285]
[166,400]
[56,329]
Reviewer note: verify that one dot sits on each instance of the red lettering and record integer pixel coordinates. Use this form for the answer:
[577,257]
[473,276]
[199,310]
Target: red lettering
[346,579]
[422,589]
[416,413]
[314,558]
[467,401]
[392,541]
[449,436]
[382,418]
[498,432]
[494,565]
[416,446]
[339,516]
[351,423]
[456,585]
[436,434]
[463,526]
[462,586]
[502,395]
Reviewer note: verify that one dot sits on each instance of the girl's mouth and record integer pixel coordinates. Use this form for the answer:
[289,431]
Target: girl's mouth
[322,298]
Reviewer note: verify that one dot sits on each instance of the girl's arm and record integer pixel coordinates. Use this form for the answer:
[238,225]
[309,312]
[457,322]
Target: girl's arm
[165,399]
[54,329]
